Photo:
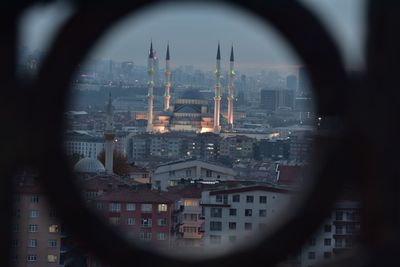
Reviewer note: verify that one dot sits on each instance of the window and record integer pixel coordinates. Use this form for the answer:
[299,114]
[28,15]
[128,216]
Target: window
[339,215]
[171,173]
[236,198]
[162,207]
[248,226]
[248,212]
[146,208]
[215,226]
[32,228]
[31,258]
[232,212]
[34,214]
[327,255]
[232,226]
[188,173]
[208,173]
[52,213]
[190,217]
[114,220]
[312,242]
[349,216]
[53,228]
[52,243]
[215,239]
[130,206]
[191,203]
[327,242]
[17,213]
[232,238]
[216,212]
[349,242]
[145,236]
[14,243]
[349,229]
[327,228]
[162,236]
[338,243]
[35,199]
[218,198]
[249,199]
[115,207]
[51,258]
[130,221]
[339,229]
[146,222]
[311,255]
[263,199]
[262,213]
[99,205]
[162,221]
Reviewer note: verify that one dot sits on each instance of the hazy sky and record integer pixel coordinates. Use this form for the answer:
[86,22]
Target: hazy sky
[194,31]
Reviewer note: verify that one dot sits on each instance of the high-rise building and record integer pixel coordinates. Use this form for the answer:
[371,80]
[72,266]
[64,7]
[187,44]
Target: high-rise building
[291,82]
[304,88]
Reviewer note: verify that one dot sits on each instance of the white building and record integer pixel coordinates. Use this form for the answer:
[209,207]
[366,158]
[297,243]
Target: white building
[237,214]
[169,174]
[85,145]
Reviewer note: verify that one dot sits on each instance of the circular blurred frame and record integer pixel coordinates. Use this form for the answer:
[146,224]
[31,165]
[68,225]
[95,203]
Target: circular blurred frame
[307,38]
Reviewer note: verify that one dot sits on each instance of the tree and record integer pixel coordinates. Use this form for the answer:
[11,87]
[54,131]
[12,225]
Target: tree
[120,165]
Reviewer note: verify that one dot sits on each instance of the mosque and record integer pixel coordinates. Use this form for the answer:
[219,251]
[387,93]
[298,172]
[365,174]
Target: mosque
[191,111]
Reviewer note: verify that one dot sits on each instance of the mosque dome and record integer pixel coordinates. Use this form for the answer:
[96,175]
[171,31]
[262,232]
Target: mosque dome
[89,165]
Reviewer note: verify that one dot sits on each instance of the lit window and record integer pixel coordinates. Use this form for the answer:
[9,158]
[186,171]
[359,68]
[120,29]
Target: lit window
[53,228]
[162,207]
[130,206]
[51,258]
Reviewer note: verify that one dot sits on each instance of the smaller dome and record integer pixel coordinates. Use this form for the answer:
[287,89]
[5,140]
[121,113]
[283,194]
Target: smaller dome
[89,165]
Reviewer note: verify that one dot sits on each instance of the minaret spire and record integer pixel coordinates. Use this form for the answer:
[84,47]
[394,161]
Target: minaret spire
[231,97]
[150,87]
[217,97]
[168,80]
[109,137]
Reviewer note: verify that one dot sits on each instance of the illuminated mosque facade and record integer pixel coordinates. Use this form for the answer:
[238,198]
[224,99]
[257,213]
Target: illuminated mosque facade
[191,111]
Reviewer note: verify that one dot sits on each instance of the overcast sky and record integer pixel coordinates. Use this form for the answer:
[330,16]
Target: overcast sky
[193,34]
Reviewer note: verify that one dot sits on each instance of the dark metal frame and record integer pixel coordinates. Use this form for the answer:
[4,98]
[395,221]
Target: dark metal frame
[33,133]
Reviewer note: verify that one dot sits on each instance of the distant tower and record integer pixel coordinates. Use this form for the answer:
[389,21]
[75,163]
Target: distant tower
[231,97]
[217,97]
[167,80]
[109,136]
[150,86]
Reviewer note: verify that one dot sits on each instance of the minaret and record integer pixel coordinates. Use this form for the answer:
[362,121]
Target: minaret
[109,136]
[217,97]
[150,86]
[167,80]
[231,97]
